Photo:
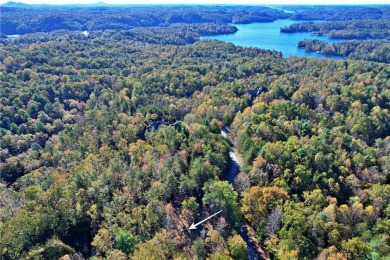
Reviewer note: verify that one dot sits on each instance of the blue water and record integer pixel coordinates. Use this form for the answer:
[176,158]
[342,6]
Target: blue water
[268,36]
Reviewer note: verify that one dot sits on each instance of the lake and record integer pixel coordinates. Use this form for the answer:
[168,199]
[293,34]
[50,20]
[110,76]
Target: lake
[268,36]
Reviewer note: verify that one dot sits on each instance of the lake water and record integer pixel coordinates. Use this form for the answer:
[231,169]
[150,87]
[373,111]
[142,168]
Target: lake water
[268,36]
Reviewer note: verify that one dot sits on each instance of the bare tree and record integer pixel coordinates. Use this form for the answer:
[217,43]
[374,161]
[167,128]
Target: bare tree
[273,221]
[203,233]
[222,226]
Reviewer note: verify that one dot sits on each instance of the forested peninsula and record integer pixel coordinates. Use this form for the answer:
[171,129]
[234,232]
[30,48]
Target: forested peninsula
[353,29]
[357,50]
[83,176]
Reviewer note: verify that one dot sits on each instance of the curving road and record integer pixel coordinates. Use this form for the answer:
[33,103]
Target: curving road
[234,169]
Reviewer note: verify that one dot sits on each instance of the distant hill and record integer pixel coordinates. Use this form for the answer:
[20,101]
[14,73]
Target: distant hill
[15,4]
[21,18]
[23,5]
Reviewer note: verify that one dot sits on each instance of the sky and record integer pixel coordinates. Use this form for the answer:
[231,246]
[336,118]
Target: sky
[237,2]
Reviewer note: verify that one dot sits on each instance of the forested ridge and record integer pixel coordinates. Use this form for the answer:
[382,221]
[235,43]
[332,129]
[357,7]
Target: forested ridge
[359,50]
[363,39]
[83,177]
[339,12]
[33,19]
[351,29]
[175,34]
[23,18]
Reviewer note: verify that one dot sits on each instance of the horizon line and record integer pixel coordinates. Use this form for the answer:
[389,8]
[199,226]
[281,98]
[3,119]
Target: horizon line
[196,4]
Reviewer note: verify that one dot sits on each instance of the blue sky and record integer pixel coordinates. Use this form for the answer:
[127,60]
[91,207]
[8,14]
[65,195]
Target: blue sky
[238,2]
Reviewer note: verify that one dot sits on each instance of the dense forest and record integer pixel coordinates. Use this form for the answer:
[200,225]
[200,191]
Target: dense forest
[29,20]
[358,50]
[21,19]
[339,12]
[175,34]
[352,29]
[84,176]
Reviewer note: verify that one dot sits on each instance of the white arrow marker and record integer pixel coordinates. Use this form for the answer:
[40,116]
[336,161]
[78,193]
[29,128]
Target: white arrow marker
[193,226]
